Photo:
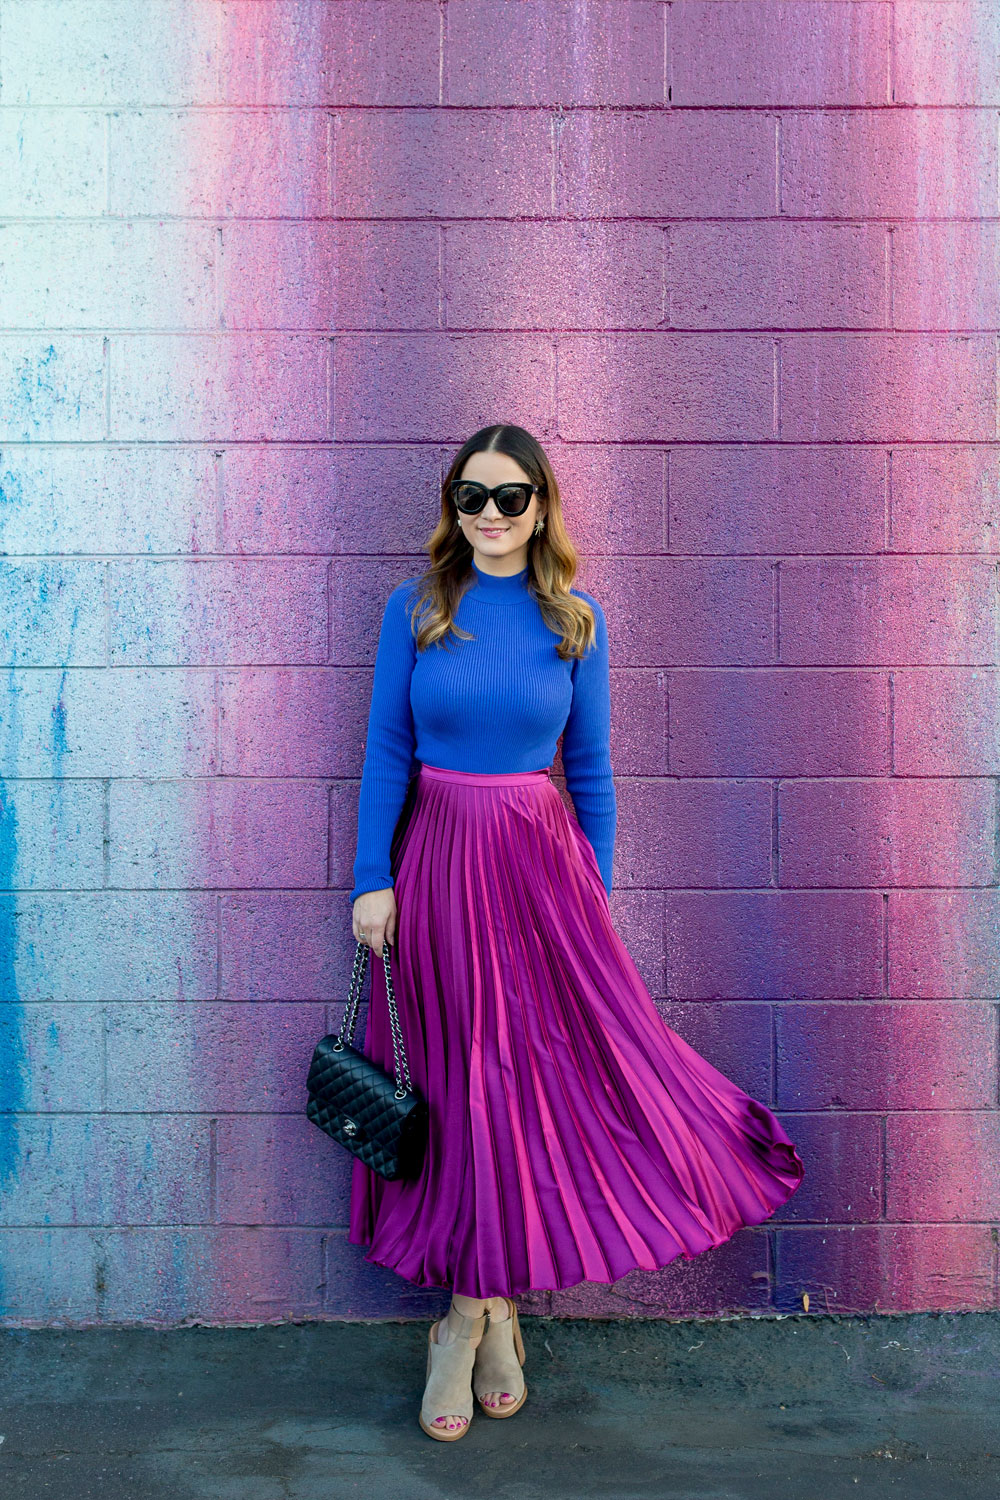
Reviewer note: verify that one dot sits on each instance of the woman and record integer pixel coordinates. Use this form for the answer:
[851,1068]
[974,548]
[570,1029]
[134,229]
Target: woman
[573,1135]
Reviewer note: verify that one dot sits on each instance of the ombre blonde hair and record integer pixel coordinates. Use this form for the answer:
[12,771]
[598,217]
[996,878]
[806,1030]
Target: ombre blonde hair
[552,557]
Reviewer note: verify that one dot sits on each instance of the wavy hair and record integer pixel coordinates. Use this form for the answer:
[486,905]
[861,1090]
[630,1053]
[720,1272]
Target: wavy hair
[552,557]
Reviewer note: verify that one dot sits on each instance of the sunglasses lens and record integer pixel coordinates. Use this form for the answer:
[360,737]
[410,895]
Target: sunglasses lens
[469,498]
[512,499]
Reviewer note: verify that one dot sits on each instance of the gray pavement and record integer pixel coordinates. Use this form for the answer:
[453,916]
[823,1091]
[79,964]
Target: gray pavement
[818,1407]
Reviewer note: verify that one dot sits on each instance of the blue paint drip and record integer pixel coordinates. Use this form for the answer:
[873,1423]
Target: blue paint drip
[12,1057]
[13,1069]
[11,495]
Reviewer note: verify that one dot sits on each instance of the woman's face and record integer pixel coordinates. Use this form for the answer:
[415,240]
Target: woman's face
[492,535]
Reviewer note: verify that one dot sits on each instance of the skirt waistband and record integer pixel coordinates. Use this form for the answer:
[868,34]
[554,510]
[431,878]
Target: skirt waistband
[484,778]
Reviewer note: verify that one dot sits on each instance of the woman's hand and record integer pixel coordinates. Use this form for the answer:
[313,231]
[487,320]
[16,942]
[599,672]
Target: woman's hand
[375,918]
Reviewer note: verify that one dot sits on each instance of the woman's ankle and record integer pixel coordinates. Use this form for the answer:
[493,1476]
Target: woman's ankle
[459,1324]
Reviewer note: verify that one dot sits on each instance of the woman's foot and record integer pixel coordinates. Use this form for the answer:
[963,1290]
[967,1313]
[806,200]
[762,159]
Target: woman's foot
[499,1309]
[457,1326]
[498,1381]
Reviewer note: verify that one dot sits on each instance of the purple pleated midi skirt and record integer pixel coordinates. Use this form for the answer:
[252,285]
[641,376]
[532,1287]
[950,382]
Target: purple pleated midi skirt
[573,1135]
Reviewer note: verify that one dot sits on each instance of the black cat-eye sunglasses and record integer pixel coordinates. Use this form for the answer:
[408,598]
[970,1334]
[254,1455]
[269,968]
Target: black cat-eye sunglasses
[470,497]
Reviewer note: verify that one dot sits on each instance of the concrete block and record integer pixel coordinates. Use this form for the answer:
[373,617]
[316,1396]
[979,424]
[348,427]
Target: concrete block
[330,276]
[239,611]
[54,832]
[754,52]
[779,723]
[52,613]
[48,1277]
[53,1058]
[873,163]
[98,722]
[773,275]
[792,498]
[51,388]
[52,161]
[429,387]
[285,946]
[566,275]
[911,610]
[217,834]
[165,1276]
[139,275]
[946,276]
[944,1166]
[613,53]
[219,163]
[943,721]
[772,944]
[124,500]
[897,831]
[929,1057]
[670,387]
[945,499]
[943,943]
[693,833]
[282,1170]
[234,387]
[293,721]
[699,611]
[153,1169]
[948,53]
[388,163]
[325,500]
[688,165]
[91,52]
[368,52]
[734,1038]
[225,1057]
[872,387]
[110,946]
[852,1269]
[732,1276]
[842,1155]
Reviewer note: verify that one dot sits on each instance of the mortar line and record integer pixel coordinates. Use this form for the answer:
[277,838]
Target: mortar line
[213,1199]
[442,288]
[218,946]
[218,463]
[106,832]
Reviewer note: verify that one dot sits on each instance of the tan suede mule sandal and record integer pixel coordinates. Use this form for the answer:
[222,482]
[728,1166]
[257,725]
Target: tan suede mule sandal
[498,1362]
[449,1376]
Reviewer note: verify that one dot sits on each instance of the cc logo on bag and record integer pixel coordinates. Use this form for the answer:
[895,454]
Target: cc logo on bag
[350,1128]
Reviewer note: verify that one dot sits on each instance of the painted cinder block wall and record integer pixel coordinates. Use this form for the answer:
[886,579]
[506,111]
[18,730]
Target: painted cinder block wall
[262,267]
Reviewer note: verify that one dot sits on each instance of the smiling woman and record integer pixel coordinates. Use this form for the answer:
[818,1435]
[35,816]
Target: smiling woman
[573,1135]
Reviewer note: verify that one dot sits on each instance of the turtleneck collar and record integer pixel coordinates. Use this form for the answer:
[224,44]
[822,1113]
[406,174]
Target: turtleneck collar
[493,589]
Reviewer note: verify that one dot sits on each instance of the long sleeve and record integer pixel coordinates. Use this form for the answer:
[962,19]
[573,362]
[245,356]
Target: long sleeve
[586,748]
[389,746]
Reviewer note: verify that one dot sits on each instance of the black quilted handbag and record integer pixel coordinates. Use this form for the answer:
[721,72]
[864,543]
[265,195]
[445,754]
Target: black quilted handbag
[378,1118]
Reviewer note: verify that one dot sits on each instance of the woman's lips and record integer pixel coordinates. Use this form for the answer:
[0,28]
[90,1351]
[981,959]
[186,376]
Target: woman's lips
[493,530]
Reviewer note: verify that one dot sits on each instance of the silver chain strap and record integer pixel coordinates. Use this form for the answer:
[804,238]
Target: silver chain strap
[346,1033]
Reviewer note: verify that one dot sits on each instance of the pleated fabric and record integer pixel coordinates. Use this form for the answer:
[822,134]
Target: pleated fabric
[573,1135]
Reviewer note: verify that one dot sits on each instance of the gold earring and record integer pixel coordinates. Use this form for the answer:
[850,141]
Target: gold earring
[539,525]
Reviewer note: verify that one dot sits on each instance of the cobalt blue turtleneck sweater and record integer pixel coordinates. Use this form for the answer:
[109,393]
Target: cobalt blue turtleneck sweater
[495,703]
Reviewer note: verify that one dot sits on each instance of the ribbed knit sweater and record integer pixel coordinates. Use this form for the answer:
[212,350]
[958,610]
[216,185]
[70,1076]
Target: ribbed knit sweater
[495,703]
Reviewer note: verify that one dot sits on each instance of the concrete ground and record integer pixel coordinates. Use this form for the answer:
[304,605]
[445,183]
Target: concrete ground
[817,1407]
